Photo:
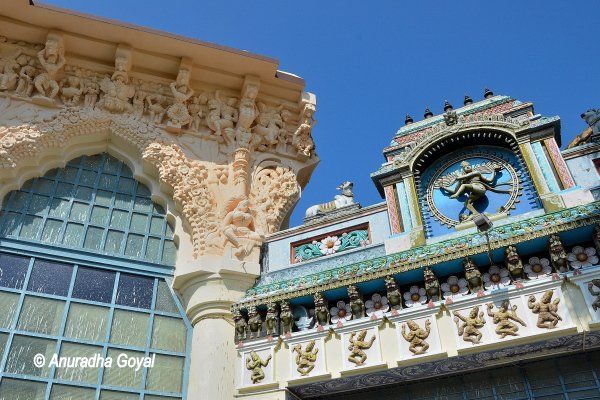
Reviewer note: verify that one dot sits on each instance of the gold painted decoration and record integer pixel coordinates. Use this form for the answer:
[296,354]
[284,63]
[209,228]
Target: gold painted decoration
[504,317]
[358,346]
[546,309]
[469,326]
[305,358]
[256,364]
[415,335]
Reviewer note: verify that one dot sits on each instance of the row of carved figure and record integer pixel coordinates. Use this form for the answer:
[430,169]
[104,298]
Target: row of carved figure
[46,78]
[474,281]
[468,328]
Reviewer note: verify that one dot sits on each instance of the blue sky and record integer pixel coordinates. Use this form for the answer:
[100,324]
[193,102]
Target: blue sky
[370,65]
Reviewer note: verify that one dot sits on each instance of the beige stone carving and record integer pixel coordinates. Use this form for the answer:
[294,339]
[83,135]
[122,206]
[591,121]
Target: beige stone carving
[504,317]
[256,364]
[358,346]
[302,139]
[416,336]
[71,88]
[269,126]
[117,89]
[9,75]
[178,112]
[468,327]
[546,309]
[52,59]
[305,359]
[593,287]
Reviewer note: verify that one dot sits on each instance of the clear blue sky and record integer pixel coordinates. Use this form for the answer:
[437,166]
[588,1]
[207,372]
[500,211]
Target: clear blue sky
[370,65]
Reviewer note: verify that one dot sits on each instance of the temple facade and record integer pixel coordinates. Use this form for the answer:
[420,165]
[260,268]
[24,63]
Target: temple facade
[147,182]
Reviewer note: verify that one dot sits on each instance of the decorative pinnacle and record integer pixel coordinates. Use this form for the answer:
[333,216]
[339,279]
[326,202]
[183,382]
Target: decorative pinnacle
[487,93]
[447,106]
[467,100]
[428,113]
[408,120]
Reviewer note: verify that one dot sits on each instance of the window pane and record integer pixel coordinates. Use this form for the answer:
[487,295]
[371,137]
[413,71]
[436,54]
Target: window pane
[87,178]
[93,238]
[64,190]
[38,204]
[169,252]
[16,201]
[51,232]
[129,328]
[13,270]
[166,375]
[123,201]
[99,216]
[11,224]
[69,174]
[152,249]
[119,219]
[79,212]
[62,392]
[13,389]
[31,228]
[114,241]
[50,277]
[124,377]
[73,234]
[76,373]
[3,339]
[103,197]
[108,395]
[142,204]
[135,291]
[126,185]
[41,315]
[93,163]
[22,351]
[138,222]
[133,248]
[168,334]
[59,208]
[87,322]
[164,298]
[43,186]
[94,284]
[156,226]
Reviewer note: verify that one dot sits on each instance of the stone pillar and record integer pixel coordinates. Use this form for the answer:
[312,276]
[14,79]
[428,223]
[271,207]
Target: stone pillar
[208,289]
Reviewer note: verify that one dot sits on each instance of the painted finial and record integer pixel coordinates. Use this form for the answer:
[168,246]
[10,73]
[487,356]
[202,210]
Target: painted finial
[468,100]
[428,113]
[487,93]
[408,120]
[447,106]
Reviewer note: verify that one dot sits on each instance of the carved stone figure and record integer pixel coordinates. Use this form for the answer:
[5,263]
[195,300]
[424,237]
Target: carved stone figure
[504,317]
[341,200]
[305,359]
[139,103]
[596,238]
[302,139]
[432,285]
[91,90]
[558,255]
[9,75]
[156,107]
[271,319]
[222,116]
[254,322]
[241,326]
[269,126]
[469,328]
[416,336]
[472,275]
[26,78]
[286,317]
[52,59]
[256,364]
[71,89]
[450,117]
[358,346]
[473,182]
[592,118]
[356,304]
[595,283]
[197,109]
[514,263]
[178,112]
[117,93]
[393,293]
[321,311]
[546,309]
[248,111]
[237,228]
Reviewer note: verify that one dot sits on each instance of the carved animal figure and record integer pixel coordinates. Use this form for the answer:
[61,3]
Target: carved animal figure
[357,346]
[472,275]
[393,293]
[558,255]
[271,319]
[356,304]
[504,317]
[416,336]
[286,317]
[241,326]
[432,285]
[254,322]
[321,311]
[546,309]
[592,118]
[595,283]
[513,262]
[305,359]
[341,200]
[469,328]
[256,364]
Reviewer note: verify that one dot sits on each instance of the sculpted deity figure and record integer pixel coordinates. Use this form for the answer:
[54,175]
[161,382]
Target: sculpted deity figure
[268,127]
[248,111]
[256,364]
[52,59]
[513,262]
[139,103]
[504,317]
[473,182]
[358,346]
[178,112]
[237,228]
[26,78]
[302,139]
[254,322]
[558,255]
[472,275]
[469,328]
[9,75]
[305,359]
[271,318]
[416,336]
[393,293]
[592,286]
[321,310]
[197,109]
[546,309]
[286,317]
[71,89]
[356,304]
[222,116]
[117,93]
[432,285]
[241,326]
[156,107]
[91,90]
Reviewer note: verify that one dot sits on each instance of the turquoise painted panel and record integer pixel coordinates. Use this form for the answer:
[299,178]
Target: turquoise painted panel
[404,206]
[331,245]
[549,176]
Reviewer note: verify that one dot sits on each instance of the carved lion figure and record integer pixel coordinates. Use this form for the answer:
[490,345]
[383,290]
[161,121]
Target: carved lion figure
[513,262]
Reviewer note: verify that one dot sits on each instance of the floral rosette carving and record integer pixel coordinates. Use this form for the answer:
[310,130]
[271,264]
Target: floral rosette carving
[496,278]
[537,268]
[329,245]
[377,305]
[455,288]
[415,296]
[582,257]
[341,312]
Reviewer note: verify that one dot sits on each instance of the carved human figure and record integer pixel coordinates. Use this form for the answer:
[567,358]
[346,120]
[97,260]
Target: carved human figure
[197,110]
[472,275]
[305,359]
[222,116]
[358,346]
[286,317]
[504,317]
[468,327]
[321,311]
[139,103]
[91,90]
[52,59]
[432,285]
[178,112]
[302,139]
[241,326]
[546,309]
[558,255]
[472,181]
[592,286]
[71,89]
[117,93]
[248,111]
[415,335]
[254,322]
[9,75]
[356,303]
[271,319]
[156,107]
[513,262]
[268,127]
[25,82]
[256,364]
[393,293]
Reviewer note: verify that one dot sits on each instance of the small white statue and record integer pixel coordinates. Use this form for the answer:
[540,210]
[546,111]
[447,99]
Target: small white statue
[341,200]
